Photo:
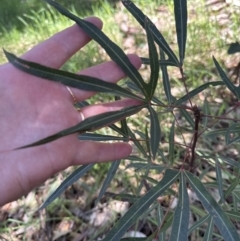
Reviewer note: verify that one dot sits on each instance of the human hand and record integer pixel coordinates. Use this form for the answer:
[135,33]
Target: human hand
[32,109]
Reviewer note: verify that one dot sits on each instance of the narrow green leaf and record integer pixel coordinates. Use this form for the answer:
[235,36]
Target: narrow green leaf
[140,206]
[180,10]
[235,203]
[113,50]
[66,183]
[137,143]
[150,179]
[231,188]
[143,165]
[171,143]
[225,79]
[181,214]
[231,162]
[82,82]
[165,77]
[219,179]
[124,127]
[197,91]
[224,225]
[158,37]
[187,117]
[235,215]
[160,219]
[123,197]
[167,221]
[134,239]
[149,238]
[110,175]
[232,129]
[198,211]
[146,137]
[161,62]
[82,104]
[214,134]
[90,124]
[206,111]
[136,158]
[138,166]
[154,65]
[198,224]
[152,236]
[155,132]
[209,231]
[236,193]
[160,154]
[117,129]
[100,137]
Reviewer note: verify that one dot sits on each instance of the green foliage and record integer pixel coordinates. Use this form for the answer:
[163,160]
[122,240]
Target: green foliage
[178,164]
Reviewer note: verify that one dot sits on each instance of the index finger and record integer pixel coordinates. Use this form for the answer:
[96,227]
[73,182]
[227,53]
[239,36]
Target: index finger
[56,50]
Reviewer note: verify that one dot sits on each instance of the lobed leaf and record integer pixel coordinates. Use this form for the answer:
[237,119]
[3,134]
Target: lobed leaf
[113,50]
[181,214]
[154,65]
[90,124]
[140,206]
[82,82]
[180,11]
[224,225]
[66,183]
[110,175]
[158,37]
[155,132]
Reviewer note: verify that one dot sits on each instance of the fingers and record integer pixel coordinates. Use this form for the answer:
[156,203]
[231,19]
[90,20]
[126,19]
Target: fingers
[95,152]
[108,71]
[55,51]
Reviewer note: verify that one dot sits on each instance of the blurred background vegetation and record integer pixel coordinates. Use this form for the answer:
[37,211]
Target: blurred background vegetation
[212,27]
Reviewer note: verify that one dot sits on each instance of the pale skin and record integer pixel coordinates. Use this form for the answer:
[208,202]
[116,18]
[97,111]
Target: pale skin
[32,108]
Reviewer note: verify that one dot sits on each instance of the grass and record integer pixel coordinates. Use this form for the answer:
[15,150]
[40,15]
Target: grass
[25,26]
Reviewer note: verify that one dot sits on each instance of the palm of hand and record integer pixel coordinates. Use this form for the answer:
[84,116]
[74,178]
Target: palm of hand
[31,109]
